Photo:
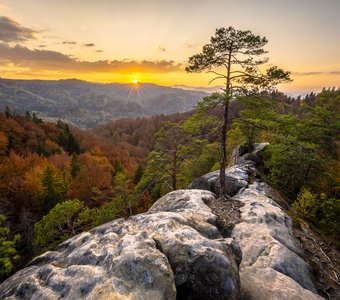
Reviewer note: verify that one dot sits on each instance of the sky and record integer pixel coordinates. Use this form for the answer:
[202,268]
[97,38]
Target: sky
[151,40]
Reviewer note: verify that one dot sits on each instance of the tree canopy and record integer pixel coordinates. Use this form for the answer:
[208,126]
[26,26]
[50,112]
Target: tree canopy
[235,56]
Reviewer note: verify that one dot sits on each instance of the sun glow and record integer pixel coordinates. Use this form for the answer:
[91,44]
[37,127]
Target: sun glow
[135,81]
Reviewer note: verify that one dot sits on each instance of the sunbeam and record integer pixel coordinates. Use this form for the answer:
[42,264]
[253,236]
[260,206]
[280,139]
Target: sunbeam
[135,88]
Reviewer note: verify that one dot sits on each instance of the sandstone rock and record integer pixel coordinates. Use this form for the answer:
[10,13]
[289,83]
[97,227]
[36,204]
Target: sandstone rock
[145,257]
[206,267]
[266,283]
[272,266]
[241,155]
[102,267]
[236,179]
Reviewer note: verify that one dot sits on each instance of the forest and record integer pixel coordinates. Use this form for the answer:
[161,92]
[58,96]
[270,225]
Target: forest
[57,181]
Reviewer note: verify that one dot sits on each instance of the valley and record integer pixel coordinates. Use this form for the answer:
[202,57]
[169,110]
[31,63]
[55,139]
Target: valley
[87,105]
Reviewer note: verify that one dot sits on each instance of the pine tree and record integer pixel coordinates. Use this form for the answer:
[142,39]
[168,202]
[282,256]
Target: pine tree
[8,112]
[63,221]
[237,52]
[54,189]
[8,253]
[75,165]
[66,139]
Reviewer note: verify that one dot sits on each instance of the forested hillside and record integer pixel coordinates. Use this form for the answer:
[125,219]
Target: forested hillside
[86,105]
[43,164]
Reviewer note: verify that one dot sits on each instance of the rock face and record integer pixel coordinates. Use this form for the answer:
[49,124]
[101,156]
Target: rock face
[235,180]
[175,248]
[241,155]
[272,266]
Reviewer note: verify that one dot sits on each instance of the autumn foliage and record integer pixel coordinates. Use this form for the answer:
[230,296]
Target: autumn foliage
[42,165]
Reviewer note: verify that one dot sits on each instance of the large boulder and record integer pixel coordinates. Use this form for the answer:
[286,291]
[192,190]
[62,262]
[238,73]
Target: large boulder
[242,155]
[235,180]
[272,263]
[174,248]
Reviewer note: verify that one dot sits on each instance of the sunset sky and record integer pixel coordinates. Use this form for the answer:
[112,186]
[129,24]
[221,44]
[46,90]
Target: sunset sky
[151,40]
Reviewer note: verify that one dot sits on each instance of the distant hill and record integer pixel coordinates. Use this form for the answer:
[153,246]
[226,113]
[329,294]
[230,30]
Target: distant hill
[87,105]
[210,89]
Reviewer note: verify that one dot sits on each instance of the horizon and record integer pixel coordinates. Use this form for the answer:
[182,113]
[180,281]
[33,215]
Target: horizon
[207,89]
[150,41]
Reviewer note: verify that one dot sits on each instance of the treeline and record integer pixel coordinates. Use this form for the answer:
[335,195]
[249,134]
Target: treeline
[136,136]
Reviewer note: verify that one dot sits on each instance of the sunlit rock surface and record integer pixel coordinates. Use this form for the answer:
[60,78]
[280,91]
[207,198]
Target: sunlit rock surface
[174,248]
[272,265]
[236,178]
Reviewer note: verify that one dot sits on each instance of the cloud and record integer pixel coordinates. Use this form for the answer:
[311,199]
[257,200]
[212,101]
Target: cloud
[316,73]
[42,46]
[69,43]
[11,31]
[188,45]
[88,45]
[99,50]
[51,60]
[160,48]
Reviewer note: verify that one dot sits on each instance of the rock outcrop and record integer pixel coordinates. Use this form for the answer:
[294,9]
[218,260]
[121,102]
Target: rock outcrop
[235,180]
[272,264]
[174,248]
[242,155]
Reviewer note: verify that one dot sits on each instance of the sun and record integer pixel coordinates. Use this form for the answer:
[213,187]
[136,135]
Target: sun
[135,81]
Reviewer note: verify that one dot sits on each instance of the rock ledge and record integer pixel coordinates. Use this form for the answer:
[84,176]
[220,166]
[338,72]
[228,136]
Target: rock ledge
[173,248]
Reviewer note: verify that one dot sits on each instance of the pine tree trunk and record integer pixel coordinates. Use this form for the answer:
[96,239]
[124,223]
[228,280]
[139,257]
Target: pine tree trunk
[174,176]
[223,191]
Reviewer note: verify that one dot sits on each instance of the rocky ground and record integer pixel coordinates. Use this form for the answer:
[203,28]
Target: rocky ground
[272,264]
[322,255]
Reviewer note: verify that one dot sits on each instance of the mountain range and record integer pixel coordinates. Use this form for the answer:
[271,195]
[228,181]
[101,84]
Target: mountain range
[86,104]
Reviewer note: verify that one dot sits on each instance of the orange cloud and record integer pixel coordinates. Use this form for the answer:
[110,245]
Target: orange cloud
[21,56]
[313,73]
[88,45]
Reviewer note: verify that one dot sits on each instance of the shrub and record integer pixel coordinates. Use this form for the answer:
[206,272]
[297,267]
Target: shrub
[320,211]
[306,205]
